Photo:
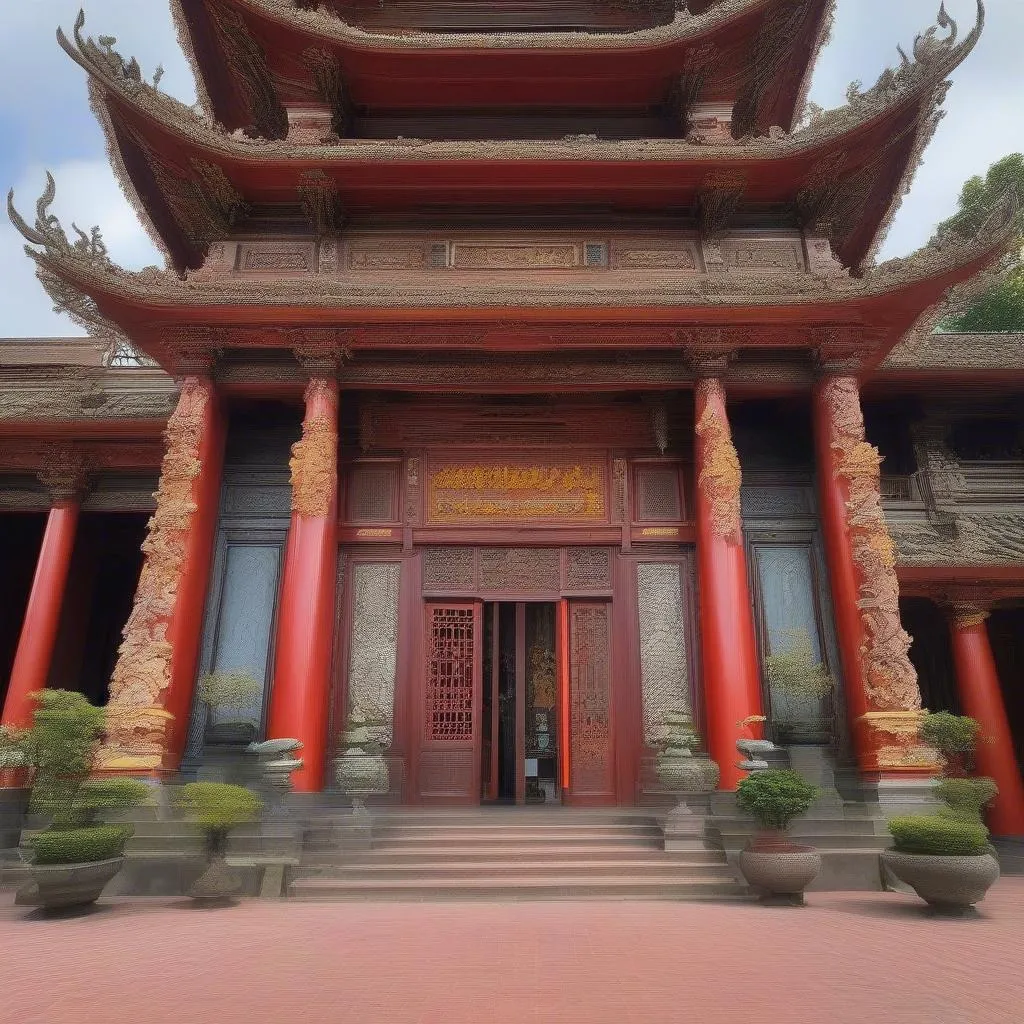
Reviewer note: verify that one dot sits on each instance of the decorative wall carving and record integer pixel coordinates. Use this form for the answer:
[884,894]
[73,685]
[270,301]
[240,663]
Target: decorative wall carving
[515,256]
[514,570]
[588,569]
[890,678]
[136,718]
[762,255]
[475,492]
[680,258]
[449,569]
[448,708]
[288,257]
[314,461]
[387,257]
[590,699]
[720,476]
[664,670]
[620,510]
[413,495]
[373,648]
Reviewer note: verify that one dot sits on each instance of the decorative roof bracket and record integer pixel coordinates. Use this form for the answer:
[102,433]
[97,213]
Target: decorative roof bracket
[717,200]
[330,84]
[321,202]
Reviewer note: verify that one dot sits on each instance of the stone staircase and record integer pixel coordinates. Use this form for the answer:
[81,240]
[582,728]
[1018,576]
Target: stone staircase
[508,853]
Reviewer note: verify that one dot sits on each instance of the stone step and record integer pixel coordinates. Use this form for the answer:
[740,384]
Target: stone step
[517,887]
[538,869]
[496,842]
[486,855]
[530,831]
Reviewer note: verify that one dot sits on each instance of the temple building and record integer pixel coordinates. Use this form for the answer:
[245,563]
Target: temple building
[520,375]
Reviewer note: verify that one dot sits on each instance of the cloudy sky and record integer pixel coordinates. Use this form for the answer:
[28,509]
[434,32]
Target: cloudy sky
[45,121]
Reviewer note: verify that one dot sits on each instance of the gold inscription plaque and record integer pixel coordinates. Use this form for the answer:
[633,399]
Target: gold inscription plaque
[509,492]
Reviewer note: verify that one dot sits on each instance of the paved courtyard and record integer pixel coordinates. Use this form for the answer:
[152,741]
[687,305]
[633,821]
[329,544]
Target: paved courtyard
[857,957]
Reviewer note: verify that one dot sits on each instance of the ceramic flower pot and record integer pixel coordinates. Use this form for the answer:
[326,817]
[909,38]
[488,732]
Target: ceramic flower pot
[780,874]
[947,884]
[56,886]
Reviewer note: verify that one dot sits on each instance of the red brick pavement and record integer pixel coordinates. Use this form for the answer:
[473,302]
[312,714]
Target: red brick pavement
[846,957]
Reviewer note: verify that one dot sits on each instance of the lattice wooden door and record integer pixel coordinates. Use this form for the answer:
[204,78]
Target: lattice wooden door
[592,761]
[449,768]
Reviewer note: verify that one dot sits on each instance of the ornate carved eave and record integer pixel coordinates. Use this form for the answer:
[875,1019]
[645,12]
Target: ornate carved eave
[323,26]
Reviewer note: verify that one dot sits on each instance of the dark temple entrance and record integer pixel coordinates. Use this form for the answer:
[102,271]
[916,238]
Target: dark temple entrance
[519,762]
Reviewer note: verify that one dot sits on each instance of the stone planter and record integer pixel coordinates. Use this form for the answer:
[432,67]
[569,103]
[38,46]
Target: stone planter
[781,875]
[949,885]
[67,885]
[688,774]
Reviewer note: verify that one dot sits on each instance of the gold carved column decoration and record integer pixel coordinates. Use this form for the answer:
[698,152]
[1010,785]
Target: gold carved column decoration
[137,717]
[720,477]
[892,700]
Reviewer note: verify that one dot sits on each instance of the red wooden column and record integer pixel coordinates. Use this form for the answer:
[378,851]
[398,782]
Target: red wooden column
[833,494]
[981,698]
[301,690]
[732,687]
[65,478]
[882,696]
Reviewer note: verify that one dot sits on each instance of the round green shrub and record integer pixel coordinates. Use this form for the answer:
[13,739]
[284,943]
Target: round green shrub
[80,845]
[939,835]
[951,735]
[220,807]
[775,796]
[965,798]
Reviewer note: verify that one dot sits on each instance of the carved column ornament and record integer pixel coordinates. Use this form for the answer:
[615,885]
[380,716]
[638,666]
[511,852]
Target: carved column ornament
[321,203]
[191,352]
[320,353]
[248,62]
[330,84]
[65,474]
[314,461]
[137,719]
[720,477]
[840,351]
[967,615]
[717,199]
[890,678]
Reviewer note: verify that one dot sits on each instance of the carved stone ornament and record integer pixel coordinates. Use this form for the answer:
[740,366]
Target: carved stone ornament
[967,616]
[890,678]
[314,461]
[137,720]
[320,353]
[720,477]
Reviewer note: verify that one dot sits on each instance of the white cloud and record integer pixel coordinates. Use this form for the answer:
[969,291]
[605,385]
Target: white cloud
[87,193]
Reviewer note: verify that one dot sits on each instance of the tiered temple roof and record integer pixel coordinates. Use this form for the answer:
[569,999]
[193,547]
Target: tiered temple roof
[767,236]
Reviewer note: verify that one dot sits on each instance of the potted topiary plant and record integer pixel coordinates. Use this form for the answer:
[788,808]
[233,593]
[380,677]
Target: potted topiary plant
[218,807]
[232,699]
[779,869]
[14,791]
[946,857]
[76,855]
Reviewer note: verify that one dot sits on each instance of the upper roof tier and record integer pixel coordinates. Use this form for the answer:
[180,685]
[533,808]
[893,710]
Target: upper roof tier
[254,59]
[194,182]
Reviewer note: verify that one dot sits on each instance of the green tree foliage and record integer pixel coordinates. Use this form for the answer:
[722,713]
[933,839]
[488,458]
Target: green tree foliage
[775,797]
[1002,307]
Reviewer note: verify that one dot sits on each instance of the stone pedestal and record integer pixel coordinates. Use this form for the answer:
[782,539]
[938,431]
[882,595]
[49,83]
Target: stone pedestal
[684,825]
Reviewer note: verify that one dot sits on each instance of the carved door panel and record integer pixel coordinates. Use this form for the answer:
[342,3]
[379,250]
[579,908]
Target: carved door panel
[591,753]
[450,745]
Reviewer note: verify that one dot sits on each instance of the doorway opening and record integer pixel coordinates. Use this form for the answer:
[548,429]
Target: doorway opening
[521,722]
[21,537]
[102,579]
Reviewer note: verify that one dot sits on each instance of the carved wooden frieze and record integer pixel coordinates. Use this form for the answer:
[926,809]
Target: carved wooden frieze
[282,257]
[516,256]
[387,257]
[762,255]
[517,490]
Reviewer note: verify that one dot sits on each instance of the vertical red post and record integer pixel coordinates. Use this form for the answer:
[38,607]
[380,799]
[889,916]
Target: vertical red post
[732,682]
[42,615]
[564,739]
[982,699]
[185,629]
[300,696]
[833,495]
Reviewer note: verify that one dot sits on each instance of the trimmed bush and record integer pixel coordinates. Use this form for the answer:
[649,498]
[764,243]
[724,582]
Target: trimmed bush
[939,835]
[965,798]
[775,797]
[80,845]
[955,737]
[220,807]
